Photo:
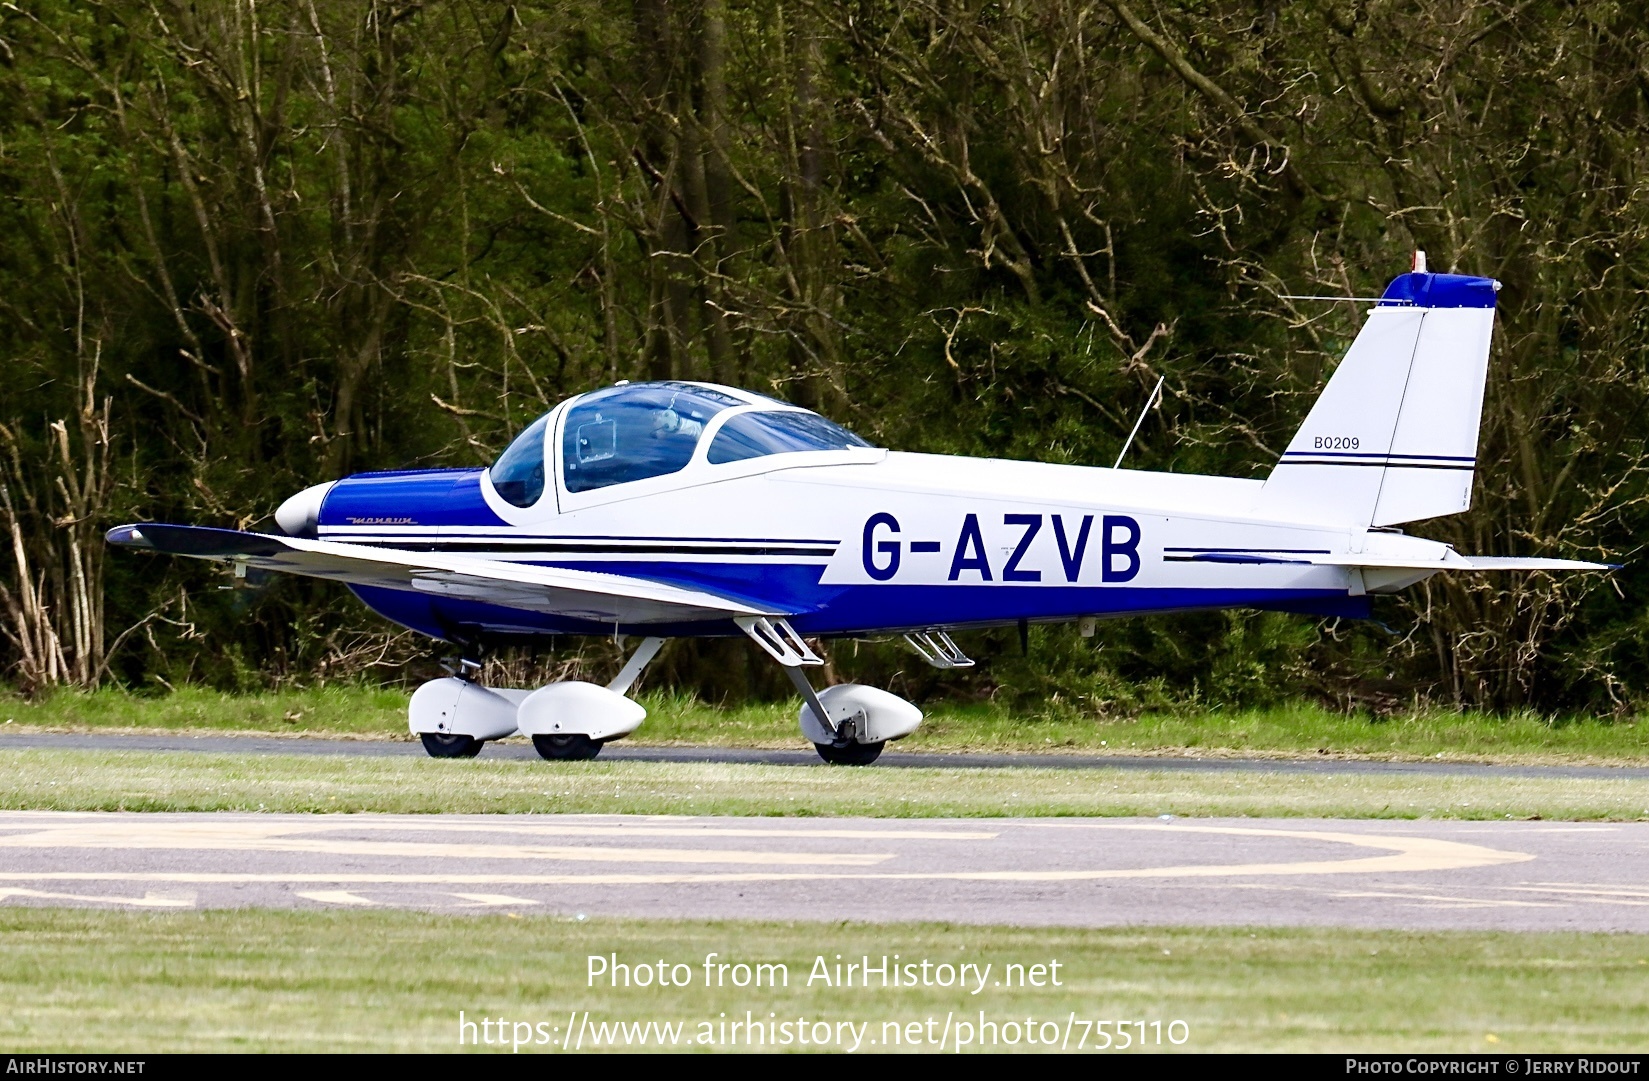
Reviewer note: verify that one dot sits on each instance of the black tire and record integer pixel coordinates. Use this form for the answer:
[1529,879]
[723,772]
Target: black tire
[443,745]
[850,754]
[568,748]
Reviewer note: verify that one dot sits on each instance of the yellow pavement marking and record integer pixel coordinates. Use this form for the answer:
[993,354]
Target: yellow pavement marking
[495,899]
[1411,853]
[128,834]
[336,897]
[148,900]
[1406,855]
[1401,854]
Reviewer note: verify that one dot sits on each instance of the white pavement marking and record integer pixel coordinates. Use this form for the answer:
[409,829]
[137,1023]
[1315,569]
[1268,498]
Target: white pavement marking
[682,830]
[1449,900]
[495,899]
[1542,831]
[128,834]
[335,897]
[1616,893]
[148,900]
[1614,901]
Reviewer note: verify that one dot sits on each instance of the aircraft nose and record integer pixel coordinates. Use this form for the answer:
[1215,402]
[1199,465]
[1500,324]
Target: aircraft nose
[300,515]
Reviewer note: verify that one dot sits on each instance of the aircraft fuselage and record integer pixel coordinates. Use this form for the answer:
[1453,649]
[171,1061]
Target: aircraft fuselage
[861,541]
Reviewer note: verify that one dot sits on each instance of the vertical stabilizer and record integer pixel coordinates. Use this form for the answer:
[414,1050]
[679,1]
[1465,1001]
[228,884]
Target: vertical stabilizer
[1393,438]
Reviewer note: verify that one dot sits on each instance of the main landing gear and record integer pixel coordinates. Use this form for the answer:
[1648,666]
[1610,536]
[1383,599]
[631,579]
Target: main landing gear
[567,722]
[571,721]
[848,753]
[848,724]
[450,745]
[572,747]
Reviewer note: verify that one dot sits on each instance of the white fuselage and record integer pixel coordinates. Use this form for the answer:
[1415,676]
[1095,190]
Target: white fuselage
[863,540]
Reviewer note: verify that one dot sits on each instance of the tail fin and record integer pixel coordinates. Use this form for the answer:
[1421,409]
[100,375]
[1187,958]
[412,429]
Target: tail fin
[1393,438]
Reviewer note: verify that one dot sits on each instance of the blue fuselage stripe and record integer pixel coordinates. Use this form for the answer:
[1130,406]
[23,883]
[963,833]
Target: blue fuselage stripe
[849,609]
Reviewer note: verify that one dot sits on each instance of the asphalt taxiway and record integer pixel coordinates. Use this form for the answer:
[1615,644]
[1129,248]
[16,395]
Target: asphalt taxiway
[622,752]
[1070,872]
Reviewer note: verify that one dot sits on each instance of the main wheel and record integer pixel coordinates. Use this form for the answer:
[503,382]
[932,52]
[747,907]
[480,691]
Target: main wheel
[850,754]
[443,745]
[568,748]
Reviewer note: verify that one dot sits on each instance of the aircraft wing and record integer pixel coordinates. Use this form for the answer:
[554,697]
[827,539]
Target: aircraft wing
[588,595]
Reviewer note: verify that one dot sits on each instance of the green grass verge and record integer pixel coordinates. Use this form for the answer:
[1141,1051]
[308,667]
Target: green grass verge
[262,980]
[1300,729]
[334,710]
[191,781]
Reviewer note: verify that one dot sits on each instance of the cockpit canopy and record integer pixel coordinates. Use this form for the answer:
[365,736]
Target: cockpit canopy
[635,431]
[518,474]
[752,435]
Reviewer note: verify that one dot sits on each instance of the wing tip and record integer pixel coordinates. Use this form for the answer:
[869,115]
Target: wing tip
[128,536]
[204,542]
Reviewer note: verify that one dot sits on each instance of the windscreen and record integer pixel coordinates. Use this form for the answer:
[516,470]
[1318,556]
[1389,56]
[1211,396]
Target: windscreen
[518,474]
[634,432]
[752,435]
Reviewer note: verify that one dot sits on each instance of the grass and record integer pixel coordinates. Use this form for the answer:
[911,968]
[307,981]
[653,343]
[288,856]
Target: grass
[75,780]
[1296,730]
[263,980]
[335,710]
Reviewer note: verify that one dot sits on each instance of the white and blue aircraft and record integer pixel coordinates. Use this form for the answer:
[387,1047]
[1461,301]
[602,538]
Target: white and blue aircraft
[678,509]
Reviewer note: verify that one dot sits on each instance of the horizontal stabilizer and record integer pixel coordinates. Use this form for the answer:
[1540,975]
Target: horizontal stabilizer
[1518,563]
[1450,561]
[575,594]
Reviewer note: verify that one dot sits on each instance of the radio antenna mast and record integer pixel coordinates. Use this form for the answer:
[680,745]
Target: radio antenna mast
[1156,393]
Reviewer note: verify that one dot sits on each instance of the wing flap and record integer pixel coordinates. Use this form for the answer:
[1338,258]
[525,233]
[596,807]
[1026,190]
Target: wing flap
[586,595]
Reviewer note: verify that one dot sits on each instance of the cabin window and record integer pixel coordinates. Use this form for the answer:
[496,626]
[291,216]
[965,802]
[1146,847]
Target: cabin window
[518,474]
[635,431]
[752,435]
